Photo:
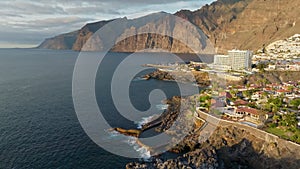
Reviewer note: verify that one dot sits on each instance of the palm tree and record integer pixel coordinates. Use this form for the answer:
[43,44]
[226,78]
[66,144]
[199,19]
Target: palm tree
[290,120]
[276,119]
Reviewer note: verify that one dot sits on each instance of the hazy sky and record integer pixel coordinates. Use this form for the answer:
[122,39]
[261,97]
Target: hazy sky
[26,23]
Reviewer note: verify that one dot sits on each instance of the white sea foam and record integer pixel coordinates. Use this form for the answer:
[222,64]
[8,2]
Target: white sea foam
[146,120]
[162,106]
[136,79]
[143,153]
[113,134]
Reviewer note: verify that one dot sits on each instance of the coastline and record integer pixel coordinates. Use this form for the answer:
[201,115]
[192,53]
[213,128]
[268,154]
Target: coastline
[199,78]
[217,151]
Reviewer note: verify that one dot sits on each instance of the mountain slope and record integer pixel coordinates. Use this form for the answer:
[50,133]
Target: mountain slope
[73,40]
[157,31]
[246,24]
[242,24]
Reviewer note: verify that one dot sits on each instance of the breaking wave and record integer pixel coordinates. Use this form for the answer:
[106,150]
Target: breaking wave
[142,151]
[162,106]
[146,120]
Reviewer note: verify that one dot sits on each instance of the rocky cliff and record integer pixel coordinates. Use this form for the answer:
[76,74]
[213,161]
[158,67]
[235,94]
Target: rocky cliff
[155,31]
[230,145]
[73,40]
[243,24]
[246,24]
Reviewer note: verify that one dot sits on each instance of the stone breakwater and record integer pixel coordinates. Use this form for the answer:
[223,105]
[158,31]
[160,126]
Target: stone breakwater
[129,132]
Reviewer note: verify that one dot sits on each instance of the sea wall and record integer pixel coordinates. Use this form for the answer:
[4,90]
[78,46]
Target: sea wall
[285,148]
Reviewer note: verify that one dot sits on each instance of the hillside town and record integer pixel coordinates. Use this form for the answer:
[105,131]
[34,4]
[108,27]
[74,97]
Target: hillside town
[282,55]
[287,49]
[270,106]
[273,107]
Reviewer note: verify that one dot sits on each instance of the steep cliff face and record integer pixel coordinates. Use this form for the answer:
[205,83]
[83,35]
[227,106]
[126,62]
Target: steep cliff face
[64,41]
[86,32]
[158,31]
[242,24]
[161,33]
[246,24]
[73,40]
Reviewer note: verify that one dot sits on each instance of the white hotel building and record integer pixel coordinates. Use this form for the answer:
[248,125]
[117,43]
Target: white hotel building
[235,60]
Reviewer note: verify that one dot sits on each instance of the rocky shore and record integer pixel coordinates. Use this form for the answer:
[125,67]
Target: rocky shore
[201,78]
[228,146]
[205,158]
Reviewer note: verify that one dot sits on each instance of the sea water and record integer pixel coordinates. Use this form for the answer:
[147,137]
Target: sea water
[38,124]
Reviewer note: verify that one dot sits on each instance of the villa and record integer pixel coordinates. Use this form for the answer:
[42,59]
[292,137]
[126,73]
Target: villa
[248,113]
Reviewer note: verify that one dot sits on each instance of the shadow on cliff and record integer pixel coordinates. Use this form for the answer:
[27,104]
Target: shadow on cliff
[243,156]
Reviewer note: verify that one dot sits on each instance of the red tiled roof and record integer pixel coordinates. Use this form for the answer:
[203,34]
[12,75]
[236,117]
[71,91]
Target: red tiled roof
[240,102]
[282,91]
[248,110]
[275,84]
[268,89]
[239,87]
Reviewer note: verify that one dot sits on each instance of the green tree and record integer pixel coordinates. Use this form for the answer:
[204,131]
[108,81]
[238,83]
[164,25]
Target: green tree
[247,93]
[267,107]
[248,85]
[275,109]
[295,103]
[276,119]
[261,66]
[290,120]
[291,88]
[277,101]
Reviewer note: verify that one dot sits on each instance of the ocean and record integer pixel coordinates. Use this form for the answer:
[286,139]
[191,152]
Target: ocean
[38,124]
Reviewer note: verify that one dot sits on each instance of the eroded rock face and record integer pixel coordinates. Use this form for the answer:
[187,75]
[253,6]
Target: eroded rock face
[73,40]
[156,32]
[247,24]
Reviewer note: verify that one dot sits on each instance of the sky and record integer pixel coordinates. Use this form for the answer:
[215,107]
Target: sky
[26,23]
